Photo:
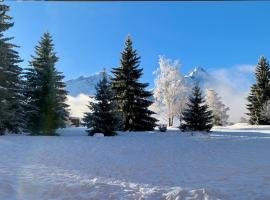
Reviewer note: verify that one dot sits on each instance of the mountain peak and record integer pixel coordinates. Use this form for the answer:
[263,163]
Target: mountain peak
[197,71]
[83,84]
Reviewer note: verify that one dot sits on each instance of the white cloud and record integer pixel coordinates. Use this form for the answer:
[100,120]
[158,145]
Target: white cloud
[245,68]
[78,105]
[233,85]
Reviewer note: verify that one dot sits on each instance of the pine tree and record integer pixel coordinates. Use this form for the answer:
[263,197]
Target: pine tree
[260,93]
[45,91]
[102,117]
[131,95]
[11,114]
[196,116]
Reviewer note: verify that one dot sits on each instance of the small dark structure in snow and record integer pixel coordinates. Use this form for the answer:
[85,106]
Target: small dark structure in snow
[162,127]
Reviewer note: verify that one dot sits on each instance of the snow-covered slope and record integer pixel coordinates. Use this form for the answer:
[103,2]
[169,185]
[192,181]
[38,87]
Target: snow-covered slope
[229,164]
[83,85]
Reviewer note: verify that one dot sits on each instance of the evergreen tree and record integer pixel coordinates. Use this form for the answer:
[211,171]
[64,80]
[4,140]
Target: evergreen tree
[260,93]
[131,96]
[102,117]
[11,114]
[45,91]
[196,116]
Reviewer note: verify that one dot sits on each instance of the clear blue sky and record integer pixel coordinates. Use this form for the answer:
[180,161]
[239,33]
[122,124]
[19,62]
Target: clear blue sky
[89,36]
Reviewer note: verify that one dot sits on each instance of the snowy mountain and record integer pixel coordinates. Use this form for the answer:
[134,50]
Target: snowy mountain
[85,85]
[201,76]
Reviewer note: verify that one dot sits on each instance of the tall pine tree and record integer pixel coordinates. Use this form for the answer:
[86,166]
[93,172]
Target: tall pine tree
[197,116]
[102,117]
[11,114]
[45,91]
[259,93]
[131,96]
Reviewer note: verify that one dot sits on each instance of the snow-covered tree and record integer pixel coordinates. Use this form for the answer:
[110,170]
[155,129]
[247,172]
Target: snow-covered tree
[102,117]
[265,113]
[170,91]
[181,105]
[219,110]
[197,116]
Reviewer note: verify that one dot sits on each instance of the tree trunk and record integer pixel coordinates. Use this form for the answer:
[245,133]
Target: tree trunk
[170,121]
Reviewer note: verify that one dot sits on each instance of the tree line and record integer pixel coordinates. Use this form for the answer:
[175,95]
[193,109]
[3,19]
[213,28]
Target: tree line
[33,99]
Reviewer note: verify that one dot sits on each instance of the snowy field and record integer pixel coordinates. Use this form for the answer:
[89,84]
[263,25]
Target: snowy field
[232,163]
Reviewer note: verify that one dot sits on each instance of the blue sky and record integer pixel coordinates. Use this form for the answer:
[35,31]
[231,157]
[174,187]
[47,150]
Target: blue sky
[89,36]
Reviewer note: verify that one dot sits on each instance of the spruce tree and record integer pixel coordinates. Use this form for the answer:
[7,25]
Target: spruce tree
[102,117]
[131,96]
[11,113]
[197,116]
[259,93]
[45,91]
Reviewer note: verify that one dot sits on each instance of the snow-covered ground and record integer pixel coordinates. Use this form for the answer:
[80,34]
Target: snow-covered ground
[232,163]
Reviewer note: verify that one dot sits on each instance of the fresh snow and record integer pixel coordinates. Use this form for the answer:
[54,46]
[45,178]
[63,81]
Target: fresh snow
[232,163]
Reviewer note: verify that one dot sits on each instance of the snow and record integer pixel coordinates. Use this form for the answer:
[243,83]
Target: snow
[83,85]
[232,163]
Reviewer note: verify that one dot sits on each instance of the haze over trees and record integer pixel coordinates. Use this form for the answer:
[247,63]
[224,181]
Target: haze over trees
[219,110]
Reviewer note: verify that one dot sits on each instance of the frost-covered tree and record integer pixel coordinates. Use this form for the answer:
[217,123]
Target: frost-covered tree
[243,120]
[219,110]
[265,112]
[181,105]
[260,93]
[197,116]
[133,100]
[11,113]
[102,117]
[45,92]
[170,91]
